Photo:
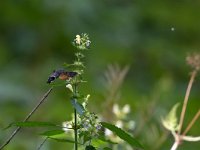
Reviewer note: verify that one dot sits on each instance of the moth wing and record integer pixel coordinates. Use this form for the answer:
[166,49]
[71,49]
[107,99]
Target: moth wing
[71,74]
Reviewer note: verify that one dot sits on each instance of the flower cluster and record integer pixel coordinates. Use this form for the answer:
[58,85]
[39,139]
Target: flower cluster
[194,61]
[121,120]
[82,41]
[121,113]
[90,127]
[88,124]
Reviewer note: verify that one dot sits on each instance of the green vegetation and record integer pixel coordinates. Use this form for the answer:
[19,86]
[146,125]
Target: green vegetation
[134,72]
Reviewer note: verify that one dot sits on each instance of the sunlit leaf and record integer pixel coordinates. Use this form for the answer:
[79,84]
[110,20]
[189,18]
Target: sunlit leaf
[85,136]
[79,108]
[31,124]
[52,132]
[170,121]
[123,135]
[62,140]
[106,140]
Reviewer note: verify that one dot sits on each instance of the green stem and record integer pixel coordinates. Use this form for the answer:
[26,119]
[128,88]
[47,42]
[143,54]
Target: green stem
[75,121]
[193,75]
[75,130]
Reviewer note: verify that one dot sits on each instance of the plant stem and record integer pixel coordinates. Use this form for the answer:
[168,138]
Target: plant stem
[75,130]
[75,120]
[27,117]
[43,142]
[174,146]
[193,74]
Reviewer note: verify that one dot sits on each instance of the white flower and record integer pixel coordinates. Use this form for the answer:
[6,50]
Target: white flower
[119,124]
[69,86]
[131,124]
[78,39]
[116,110]
[126,109]
[98,126]
[87,97]
[86,101]
[88,42]
[84,104]
[112,137]
[108,132]
[87,125]
[67,126]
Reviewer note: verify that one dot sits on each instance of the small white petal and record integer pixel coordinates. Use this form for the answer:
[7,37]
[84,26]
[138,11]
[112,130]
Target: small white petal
[88,43]
[108,132]
[78,39]
[116,110]
[87,97]
[67,126]
[126,109]
[131,124]
[84,104]
[119,124]
[69,86]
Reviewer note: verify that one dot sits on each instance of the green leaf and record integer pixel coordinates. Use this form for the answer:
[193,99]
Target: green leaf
[79,108]
[170,121]
[63,140]
[107,148]
[106,140]
[31,124]
[101,142]
[90,147]
[98,143]
[52,132]
[123,135]
[85,136]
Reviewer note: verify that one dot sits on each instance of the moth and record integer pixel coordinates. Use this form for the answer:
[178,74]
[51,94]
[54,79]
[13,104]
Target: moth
[61,74]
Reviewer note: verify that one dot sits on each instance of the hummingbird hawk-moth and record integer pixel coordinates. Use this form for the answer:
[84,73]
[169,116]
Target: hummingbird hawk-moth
[61,74]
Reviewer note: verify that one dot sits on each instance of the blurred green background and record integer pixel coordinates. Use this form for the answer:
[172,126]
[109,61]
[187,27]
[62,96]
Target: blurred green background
[152,37]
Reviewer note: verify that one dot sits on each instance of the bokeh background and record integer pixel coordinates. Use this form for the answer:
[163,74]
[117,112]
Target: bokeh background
[151,37]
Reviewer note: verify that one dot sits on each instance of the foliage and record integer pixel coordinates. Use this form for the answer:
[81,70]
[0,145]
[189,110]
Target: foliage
[151,37]
[123,135]
[170,122]
[85,124]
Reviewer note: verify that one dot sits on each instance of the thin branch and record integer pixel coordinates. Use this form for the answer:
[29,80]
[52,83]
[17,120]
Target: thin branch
[186,100]
[191,123]
[191,139]
[40,146]
[27,117]
[174,146]
[174,135]
[177,140]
